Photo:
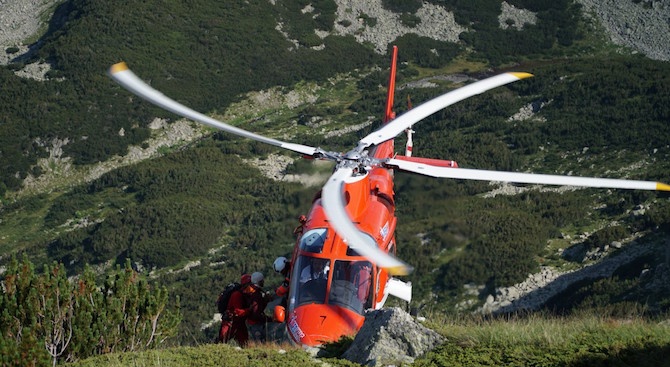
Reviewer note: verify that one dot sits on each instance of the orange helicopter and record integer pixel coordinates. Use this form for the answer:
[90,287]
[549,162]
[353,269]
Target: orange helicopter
[343,262]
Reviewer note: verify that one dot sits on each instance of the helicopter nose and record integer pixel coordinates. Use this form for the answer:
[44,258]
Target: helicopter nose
[316,324]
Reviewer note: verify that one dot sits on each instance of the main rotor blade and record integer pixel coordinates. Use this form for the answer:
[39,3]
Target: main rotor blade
[416,114]
[126,78]
[335,208]
[530,178]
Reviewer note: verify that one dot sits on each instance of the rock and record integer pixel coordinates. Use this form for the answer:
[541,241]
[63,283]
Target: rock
[391,336]
[634,24]
[511,16]
[436,23]
[19,20]
[575,253]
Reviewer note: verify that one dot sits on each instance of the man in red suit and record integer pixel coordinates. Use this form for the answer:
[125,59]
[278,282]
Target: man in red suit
[233,322]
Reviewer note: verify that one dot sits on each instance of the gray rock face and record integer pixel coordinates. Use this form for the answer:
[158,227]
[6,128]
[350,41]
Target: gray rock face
[539,288]
[642,26]
[391,336]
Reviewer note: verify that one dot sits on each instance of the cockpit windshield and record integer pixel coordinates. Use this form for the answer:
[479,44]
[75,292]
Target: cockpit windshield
[351,280]
[310,280]
[350,288]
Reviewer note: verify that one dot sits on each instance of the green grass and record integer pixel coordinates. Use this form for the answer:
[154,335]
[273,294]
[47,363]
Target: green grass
[210,355]
[585,340]
[534,340]
[22,222]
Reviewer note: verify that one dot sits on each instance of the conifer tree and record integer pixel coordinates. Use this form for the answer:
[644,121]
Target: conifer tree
[48,318]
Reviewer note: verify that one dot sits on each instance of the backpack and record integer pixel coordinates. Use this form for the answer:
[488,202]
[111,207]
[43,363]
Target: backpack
[224,297]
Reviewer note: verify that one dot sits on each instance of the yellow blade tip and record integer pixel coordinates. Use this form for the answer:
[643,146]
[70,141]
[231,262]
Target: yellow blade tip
[522,75]
[121,66]
[399,270]
[662,187]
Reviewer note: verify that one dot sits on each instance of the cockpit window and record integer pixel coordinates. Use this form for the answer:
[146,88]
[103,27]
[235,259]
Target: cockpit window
[309,279]
[313,240]
[352,281]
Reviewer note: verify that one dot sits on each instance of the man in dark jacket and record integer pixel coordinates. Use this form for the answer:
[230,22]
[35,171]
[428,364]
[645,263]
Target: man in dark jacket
[233,321]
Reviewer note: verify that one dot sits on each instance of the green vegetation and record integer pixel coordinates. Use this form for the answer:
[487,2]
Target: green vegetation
[596,113]
[172,217]
[214,356]
[46,317]
[587,340]
[191,57]
[559,27]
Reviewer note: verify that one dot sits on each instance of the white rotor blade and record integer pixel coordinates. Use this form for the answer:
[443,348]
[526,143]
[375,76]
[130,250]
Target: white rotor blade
[333,204]
[126,78]
[530,178]
[409,118]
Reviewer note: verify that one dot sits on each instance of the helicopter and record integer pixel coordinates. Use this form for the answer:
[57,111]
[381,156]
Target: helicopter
[344,262]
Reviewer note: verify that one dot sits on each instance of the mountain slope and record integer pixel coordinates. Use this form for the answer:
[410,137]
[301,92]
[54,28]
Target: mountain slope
[196,215]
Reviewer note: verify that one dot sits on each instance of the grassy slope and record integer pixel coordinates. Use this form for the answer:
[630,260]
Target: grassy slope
[587,340]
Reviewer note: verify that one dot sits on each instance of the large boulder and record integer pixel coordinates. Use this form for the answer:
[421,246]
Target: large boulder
[391,336]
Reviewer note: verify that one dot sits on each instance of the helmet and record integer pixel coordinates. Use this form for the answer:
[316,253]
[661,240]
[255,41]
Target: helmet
[246,279]
[257,277]
[280,263]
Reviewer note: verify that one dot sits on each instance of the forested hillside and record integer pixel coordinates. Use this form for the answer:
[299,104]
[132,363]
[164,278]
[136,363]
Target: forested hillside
[198,214]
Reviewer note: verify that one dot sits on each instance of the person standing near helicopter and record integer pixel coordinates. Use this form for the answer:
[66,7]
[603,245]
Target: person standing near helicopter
[233,319]
[257,319]
[282,266]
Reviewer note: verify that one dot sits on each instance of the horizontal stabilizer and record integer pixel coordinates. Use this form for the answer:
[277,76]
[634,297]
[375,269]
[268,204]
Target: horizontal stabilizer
[429,161]
[400,289]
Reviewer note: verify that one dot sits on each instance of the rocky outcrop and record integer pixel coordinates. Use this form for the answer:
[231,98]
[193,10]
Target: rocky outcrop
[436,23]
[641,25]
[391,336]
[513,17]
[20,20]
[538,288]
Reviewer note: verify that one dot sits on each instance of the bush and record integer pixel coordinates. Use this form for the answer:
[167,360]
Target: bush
[49,317]
[606,236]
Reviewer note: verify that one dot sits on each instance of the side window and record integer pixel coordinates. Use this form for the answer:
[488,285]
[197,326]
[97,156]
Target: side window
[352,281]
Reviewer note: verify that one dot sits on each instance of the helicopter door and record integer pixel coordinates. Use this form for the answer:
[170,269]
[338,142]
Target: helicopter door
[352,281]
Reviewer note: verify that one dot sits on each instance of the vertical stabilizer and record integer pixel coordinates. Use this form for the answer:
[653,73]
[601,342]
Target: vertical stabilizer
[385,149]
[389,114]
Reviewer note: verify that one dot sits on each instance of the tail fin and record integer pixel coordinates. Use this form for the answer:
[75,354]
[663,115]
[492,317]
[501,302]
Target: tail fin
[385,149]
[389,114]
